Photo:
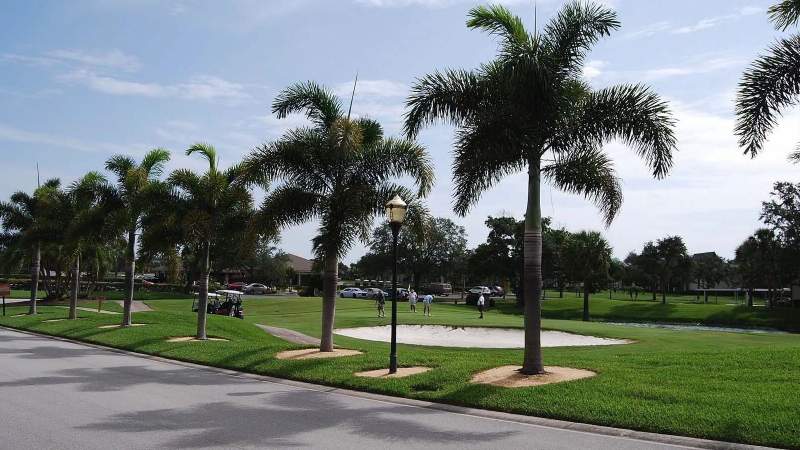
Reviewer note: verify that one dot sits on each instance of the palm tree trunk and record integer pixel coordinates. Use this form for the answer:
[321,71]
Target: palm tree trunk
[35,266]
[76,286]
[130,269]
[329,280]
[532,273]
[202,302]
[586,301]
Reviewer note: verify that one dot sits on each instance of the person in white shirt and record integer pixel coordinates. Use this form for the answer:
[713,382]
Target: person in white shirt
[481,302]
[412,300]
[426,303]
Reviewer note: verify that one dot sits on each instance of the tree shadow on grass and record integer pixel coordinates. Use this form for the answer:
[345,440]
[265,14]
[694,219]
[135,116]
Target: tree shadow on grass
[285,417]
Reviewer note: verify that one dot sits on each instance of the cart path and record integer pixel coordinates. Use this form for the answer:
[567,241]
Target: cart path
[94,310]
[136,306]
[67,395]
[292,336]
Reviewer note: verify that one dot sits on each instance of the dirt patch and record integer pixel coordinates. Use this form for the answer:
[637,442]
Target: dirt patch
[105,327]
[193,339]
[401,372]
[314,353]
[509,376]
[136,306]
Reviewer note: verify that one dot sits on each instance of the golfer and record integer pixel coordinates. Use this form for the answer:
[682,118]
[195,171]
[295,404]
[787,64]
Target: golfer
[426,304]
[481,302]
[412,300]
[381,300]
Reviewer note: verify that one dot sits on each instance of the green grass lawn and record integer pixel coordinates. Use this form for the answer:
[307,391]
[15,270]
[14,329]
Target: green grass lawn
[729,386]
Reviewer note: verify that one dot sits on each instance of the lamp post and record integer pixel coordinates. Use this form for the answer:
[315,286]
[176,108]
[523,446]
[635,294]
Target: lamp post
[396,212]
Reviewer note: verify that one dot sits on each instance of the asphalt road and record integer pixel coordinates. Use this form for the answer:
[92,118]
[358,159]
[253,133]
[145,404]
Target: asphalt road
[55,394]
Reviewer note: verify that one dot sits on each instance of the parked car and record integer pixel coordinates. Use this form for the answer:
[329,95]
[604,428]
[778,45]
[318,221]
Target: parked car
[443,289]
[236,285]
[256,288]
[353,292]
[373,292]
[474,292]
[497,291]
[402,293]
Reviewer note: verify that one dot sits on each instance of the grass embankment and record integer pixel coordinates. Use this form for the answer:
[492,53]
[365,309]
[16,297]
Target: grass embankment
[727,386]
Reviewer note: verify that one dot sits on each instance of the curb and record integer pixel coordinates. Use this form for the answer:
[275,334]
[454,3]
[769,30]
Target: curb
[576,427]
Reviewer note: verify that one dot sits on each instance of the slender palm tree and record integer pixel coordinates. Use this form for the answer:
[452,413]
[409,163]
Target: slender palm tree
[129,199]
[209,207]
[529,109]
[770,84]
[27,221]
[588,257]
[340,171]
[84,216]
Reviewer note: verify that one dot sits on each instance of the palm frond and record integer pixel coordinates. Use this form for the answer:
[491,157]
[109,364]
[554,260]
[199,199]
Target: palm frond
[590,173]
[319,104]
[784,14]
[287,205]
[500,21]
[395,158]
[208,151]
[453,96]
[573,32]
[637,116]
[771,83]
[154,161]
[187,181]
[120,165]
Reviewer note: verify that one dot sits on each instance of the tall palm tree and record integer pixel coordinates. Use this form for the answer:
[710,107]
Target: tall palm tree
[25,218]
[770,84]
[588,256]
[83,214]
[210,206]
[340,171]
[130,198]
[529,109]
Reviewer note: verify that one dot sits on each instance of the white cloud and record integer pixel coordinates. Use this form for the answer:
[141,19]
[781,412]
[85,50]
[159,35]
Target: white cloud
[112,59]
[13,134]
[372,88]
[593,69]
[201,87]
[597,70]
[702,24]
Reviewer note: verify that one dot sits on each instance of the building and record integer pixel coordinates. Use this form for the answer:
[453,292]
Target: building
[302,267]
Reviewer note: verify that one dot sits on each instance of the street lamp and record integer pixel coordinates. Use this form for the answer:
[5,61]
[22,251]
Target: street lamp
[396,212]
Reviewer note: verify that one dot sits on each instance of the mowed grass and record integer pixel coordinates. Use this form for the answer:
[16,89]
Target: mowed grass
[728,386]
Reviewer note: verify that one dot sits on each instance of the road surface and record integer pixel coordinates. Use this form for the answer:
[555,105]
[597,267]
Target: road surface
[56,394]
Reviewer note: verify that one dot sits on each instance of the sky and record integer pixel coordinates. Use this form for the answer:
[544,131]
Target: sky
[85,79]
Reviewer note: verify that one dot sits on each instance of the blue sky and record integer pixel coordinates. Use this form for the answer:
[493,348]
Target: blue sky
[84,79]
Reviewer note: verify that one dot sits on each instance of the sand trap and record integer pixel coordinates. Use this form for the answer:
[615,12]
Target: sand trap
[193,339]
[120,326]
[509,376]
[449,336]
[314,353]
[401,372]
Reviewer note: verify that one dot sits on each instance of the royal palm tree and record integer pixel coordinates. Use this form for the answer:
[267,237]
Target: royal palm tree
[208,207]
[83,214]
[338,170]
[135,183]
[770,84]
[529,109]
[588,256]
[27,220]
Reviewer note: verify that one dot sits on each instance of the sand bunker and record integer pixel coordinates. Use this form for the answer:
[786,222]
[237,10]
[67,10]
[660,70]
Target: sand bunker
[120,326]
[449,336]
[509,376]
[193,339]
[314,353]
[401,372]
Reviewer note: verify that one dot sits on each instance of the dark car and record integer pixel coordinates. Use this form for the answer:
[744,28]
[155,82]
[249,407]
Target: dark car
[236,286]
[477,291]
[402,294]
[497,291]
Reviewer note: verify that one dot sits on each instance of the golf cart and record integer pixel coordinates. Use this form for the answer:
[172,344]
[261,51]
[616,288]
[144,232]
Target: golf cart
[224,303]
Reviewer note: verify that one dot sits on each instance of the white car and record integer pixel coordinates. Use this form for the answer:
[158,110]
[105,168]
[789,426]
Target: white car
[353,292]
[480,290]
[256,288]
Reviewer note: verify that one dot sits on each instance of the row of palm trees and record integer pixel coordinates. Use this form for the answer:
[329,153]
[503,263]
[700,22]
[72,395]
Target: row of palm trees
[526,110]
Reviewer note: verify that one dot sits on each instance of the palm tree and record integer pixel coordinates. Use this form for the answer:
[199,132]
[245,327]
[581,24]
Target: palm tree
[129,197]
[25,219]
[84,216]
[588,257]
[209,207]
[338,170]
[771,83]
[530,109]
